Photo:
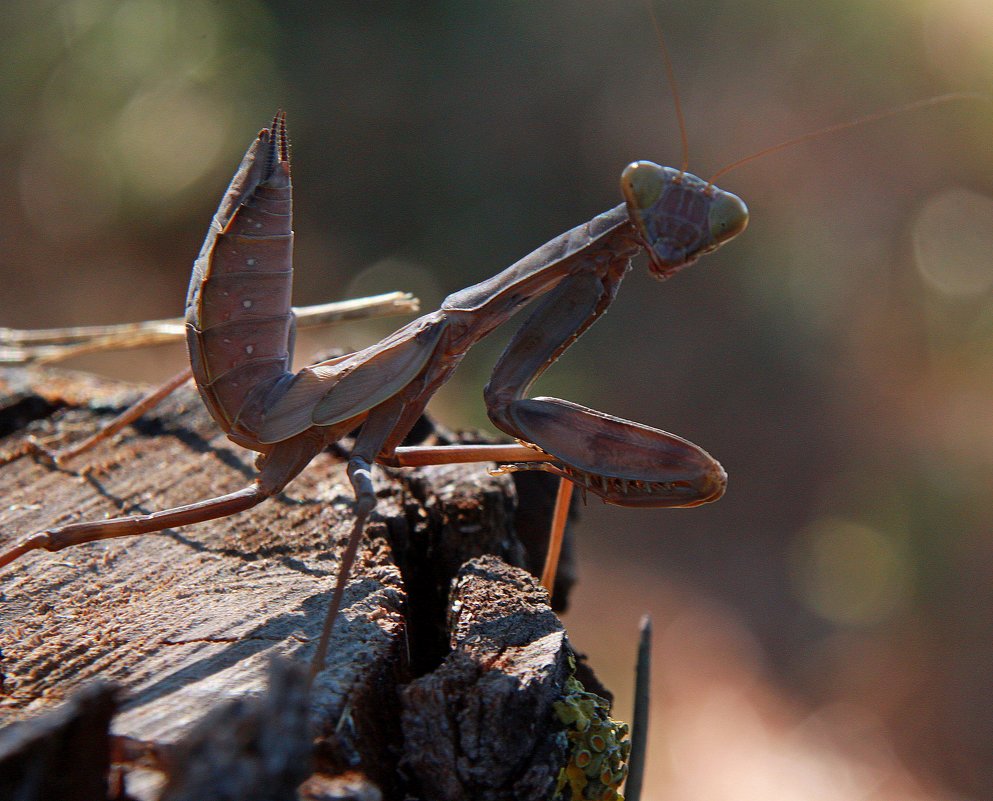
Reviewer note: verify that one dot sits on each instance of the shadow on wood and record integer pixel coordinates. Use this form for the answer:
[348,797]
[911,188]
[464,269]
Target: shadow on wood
[188,621]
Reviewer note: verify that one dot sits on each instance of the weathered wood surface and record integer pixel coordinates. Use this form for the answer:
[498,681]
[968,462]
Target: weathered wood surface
[481,726]
[255,747]
[189,619]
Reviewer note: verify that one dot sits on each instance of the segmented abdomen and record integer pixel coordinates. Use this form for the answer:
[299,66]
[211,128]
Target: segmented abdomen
[240,324]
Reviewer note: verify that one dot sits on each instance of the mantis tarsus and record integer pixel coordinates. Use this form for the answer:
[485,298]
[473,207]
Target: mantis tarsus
[240,332]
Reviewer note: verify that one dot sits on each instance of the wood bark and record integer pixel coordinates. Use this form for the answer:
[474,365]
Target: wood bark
[203,628]
[481,727]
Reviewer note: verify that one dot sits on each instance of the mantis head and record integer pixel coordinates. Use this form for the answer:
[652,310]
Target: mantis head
[679,217]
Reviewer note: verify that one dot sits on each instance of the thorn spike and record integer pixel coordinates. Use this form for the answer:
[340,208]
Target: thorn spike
[284,139]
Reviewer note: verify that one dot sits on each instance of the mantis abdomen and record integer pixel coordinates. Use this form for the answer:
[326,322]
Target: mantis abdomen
[239,320]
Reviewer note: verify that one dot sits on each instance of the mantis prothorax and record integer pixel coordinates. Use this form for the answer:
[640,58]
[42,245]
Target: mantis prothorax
[240,329]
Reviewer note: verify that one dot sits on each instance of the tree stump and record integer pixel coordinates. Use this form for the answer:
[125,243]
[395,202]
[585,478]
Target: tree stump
[187,623]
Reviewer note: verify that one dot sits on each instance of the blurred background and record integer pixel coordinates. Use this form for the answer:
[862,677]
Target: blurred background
[824,631]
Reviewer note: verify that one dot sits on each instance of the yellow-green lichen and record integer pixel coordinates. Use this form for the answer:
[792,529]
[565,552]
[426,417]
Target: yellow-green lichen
[598,747]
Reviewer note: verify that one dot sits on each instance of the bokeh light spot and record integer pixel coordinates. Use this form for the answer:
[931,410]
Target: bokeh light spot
[849,573]
[388,274]
[141,31]
[958,37]
[167,140]
[75,18]
[953,242]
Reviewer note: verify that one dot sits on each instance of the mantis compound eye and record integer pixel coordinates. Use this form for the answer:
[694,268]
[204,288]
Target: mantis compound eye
[728,216]
[642,183]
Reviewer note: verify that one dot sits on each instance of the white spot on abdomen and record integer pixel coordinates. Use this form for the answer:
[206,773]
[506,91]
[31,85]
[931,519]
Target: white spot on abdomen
[246,304]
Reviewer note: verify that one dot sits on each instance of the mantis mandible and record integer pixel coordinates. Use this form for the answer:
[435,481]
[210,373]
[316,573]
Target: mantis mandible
[240,330]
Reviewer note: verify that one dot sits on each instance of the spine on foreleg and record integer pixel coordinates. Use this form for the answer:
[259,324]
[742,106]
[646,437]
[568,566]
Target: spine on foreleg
[239,320]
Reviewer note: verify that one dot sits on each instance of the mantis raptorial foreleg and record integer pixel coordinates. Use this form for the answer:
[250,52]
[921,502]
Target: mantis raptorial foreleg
[240,332]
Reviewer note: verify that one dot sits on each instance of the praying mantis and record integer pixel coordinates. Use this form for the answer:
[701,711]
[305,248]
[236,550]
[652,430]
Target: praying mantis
[572,280]
[240,328]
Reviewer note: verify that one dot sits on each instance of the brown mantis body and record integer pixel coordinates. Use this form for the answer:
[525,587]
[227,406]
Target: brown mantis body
[240,330]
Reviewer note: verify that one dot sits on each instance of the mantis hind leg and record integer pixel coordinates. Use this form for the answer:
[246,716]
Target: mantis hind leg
[556,535]
[78,533]
[282,464]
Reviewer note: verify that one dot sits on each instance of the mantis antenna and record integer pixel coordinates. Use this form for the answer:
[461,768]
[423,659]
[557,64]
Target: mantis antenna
[843,126]
[670,76]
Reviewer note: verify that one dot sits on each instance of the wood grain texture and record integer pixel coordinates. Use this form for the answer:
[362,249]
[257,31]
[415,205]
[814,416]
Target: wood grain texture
[189,620]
